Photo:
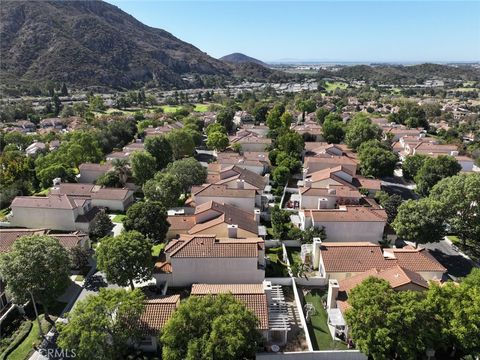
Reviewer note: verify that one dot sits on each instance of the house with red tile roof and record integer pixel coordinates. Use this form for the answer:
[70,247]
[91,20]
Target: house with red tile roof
[255,161]
[347,223]
[156,313]
[110,198]
[250,141]
[208,259]
[240,197]
[90,172]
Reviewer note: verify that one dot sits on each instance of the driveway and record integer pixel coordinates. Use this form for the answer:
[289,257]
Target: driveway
[457,264]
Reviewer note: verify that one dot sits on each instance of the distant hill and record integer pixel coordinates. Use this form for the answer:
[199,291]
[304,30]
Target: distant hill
[238,58]
[400,74]
[93,43]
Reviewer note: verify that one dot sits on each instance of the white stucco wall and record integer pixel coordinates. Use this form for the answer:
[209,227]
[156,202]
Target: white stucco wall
[187,271]
[56,219]
[352,231]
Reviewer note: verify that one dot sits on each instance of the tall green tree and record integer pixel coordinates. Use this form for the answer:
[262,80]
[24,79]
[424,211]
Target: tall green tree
[460,200]
[377,161]
[143,166]
[333,129]
[274,116]
[360,130]
[188,172]
[433,170]
[217,140]
[212,327]
[125,258]
[182,143]
[164,188]
[225,118]
[102,326]
[36,266]
[291,143]
[100,226]
[148,218]
[420,221]
[159,147]
[412,164]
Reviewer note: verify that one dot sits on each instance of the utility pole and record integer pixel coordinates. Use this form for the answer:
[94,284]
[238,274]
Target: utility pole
[36,314]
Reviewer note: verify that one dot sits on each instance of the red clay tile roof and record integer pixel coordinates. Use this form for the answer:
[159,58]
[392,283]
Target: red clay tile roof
[222,191]
[348,213]
[181,222]
[352,257]
[92,166]
[340,191]
[52,201]
[396,276]
[69,241]
[251,295]
[228,214]
[416,259]
[248,176]
[208,246]
[156,314]
[8,236]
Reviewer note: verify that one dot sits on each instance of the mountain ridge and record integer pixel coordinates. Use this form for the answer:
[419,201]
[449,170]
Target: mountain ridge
[239,58]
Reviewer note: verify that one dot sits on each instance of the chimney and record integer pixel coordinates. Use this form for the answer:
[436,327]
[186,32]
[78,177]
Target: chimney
[267,288]
[308,183]
[56,181]
[232,231]
[256,215]
[317,243]
[240,184]
[332,294]
[322,203]
[267,176]
[332,191]
[454,153]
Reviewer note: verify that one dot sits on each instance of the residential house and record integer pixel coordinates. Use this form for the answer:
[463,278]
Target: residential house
[52,124]
[325,161]
[241,198]
[236,177]
[110,198]
[207,259]
[398,131]
[309,130]
[329,197]
[57,212]
[340,261]
[90,172]
[162,130]
[25,126]
[35,148]
[348,223]
[250,141]
[322,148]
[155,315]
[257,162]
[242,117]
[262,299]
[261,129]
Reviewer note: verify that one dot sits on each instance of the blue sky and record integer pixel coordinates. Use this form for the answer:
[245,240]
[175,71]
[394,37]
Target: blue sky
[364,31]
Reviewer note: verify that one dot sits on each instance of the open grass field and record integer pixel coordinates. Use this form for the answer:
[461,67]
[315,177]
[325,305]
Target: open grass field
[330,86]
[173,108]
[317,327]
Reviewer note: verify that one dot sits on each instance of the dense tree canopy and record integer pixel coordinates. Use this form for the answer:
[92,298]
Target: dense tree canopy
[148,218]
[225,118]
[217,141]
[125,258]
[420,221]
[36,265]
[102,326]
[333,129]
[361,129]
[159,147]
[100,226]
[143,166]
[182,143]
[412,164]
[459,197]
[377,161]
[188,172]
[211,327]
[164,188]
[433,170]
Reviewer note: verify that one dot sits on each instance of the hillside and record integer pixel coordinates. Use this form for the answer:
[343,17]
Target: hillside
[238,58]
[404,74]
[93,43]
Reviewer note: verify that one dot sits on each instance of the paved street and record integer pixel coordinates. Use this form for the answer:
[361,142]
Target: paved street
[456,263]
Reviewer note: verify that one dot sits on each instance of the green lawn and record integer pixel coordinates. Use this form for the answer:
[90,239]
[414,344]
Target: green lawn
[173,108]
[118,218]
[43,192]
[330,86]
[4,213]
[276,267]
[157,249]
[79,278]
[317,326]
[25,348]
[201,107]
